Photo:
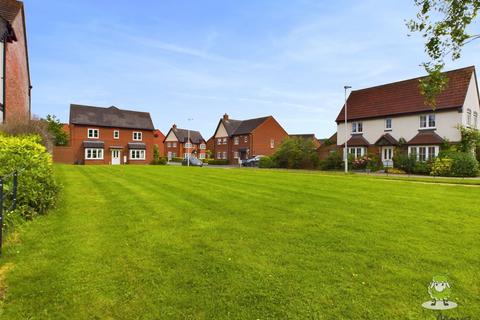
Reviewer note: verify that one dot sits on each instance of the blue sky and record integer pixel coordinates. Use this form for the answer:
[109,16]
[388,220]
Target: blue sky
[199,59]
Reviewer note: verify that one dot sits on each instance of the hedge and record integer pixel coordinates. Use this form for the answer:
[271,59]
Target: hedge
[266,162]
[217,162]
[37,188]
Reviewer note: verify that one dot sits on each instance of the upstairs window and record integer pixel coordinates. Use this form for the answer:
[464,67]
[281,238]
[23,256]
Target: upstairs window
[245,139]
[203,146]
[427,121]
[469,117]
[224,140]
[219,141]
[388,124]
[236,140]
[174,144]
[272,143]
[137,136]
[475,120]
[169,144]
[357,127]
[188,145]
[116,134]
[93,133]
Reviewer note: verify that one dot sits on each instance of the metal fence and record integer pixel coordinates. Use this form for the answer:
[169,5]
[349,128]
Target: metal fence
[8,198]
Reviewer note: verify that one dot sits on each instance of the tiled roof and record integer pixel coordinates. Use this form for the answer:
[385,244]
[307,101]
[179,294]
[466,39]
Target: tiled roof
[357,140]
[231,125]
[426,137]
[386,140]
[404,97]
[110,117]
[182,135]
[247,126]
[9,9]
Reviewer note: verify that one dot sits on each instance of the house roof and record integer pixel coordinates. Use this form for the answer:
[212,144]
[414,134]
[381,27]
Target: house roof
[247,126]
[386,140]
[426,137]
[9,9]
[110,117]
[404,97]
[357,140]
[182,135]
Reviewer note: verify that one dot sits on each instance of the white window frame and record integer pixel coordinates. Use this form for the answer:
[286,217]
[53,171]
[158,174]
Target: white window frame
[91,135]
[224,140]
[426,120]
[203,146]
[188,145]
[272,143]
[224,155]
[201,156]
[219,141]
[469,117]
[235,154]
[236,140]
[357,127]
[388,121]
[245,139]
[137,136]
[475,119]
[357,152]
[415,150]
[116,134]
[137,154]
[169,144]
[174,144]
[94,153]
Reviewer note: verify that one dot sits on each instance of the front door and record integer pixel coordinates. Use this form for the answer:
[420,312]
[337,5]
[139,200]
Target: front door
[387,156]
[115,157]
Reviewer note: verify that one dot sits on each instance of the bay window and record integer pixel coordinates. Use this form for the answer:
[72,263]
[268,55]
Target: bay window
[136,154]
[423,153]
[93,154]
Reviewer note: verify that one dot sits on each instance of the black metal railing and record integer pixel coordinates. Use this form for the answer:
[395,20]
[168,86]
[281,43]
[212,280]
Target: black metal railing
[8,198]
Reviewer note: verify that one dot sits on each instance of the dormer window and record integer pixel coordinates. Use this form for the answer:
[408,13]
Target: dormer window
[357,127]
[388,124]
[427,121]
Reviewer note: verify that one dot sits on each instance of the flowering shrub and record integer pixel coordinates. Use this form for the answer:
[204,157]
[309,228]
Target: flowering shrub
[361,163]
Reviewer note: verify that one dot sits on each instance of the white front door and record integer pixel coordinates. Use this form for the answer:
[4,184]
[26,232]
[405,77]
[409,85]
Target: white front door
[115,156]
[387,156]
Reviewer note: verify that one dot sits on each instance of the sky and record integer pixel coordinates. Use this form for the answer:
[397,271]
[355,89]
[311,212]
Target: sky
[191,59]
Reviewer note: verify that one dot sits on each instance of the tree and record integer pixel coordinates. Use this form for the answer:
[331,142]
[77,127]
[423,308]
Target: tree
[443,24]
[55,127]
[296,153]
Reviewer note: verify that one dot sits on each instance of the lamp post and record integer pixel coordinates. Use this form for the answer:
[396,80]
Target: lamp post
[346,130]
[188,141]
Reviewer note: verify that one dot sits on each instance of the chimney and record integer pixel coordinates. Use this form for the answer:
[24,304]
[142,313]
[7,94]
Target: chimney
[174,126]
[225,117]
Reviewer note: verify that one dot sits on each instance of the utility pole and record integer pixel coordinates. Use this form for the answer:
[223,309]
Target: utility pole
[345,153]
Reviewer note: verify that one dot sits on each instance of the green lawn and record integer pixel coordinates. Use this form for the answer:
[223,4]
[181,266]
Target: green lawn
[146,242]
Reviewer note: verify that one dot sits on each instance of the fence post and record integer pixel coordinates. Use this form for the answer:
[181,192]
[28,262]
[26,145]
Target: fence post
[15,186]
[1,215]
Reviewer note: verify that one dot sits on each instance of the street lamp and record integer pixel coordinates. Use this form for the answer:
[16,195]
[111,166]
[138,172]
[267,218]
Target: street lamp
[346,130]
[188,141]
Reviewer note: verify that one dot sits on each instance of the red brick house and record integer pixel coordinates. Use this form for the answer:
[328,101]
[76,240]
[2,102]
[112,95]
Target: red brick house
[15,88]
[108,136]
[158,138]
[178,145]
[241,139]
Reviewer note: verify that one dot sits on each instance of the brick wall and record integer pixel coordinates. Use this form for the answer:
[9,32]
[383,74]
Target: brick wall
[17,84]
[63,155]
[262,136]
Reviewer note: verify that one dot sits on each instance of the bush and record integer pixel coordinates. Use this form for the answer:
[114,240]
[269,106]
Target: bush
[394,171]
[218,162]
[442,167]
[161,161]
[37,188]
[266,162]
[422,168]
[404,162]
[55,127]
[16,127]
[177,159]
[464,164]
[334,161]
[296,153]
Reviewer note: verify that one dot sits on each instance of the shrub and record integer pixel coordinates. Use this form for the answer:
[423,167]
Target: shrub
[442,167]
[218,162]
[334,161]
[464,164]
[156,154]
[177,159]
[161,161]
[16,127]
[422,168]
[394,171]
[55,127]
[265,162]
[404,162]
[37,188]
[296,153]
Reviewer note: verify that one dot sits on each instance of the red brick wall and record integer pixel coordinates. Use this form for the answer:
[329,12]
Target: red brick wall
[262,135]
[17,85]
[241,145]
[79,133]
[63,155]
[158,138]
[223,148]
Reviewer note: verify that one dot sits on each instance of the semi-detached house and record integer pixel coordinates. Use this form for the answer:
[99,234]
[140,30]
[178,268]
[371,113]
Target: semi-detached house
[383,118]
[180,143]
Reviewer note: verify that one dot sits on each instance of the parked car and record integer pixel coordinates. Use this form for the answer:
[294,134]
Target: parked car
[194,162]
[252,162]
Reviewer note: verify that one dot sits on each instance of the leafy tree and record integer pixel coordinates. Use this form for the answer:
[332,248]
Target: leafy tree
[470,139]
[296,153]
[443,24]
[55,127]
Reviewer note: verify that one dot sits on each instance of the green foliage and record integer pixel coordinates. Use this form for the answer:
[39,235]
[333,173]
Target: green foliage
[37,188]
[177,159]
[404,162]
[443,24]
[334,161]
[156,153]
[442,167]
[296,153]
[464,164]
[55,127]
[16,127]
[160,161]
[422,167]
[470,139]
[218,162]
[266,162]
